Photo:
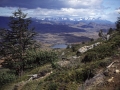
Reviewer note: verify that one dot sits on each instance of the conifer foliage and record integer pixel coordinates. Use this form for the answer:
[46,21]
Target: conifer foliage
[16,40]
[118,23]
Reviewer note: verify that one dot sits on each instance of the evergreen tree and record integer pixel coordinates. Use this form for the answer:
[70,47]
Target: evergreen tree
[100,34]
[91,39]
[118,24]
[110,31]
[15,41]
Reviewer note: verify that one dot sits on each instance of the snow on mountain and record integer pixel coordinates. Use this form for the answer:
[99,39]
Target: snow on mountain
[80,19]
[64,24]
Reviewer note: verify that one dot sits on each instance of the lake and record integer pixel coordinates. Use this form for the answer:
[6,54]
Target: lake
[59,46]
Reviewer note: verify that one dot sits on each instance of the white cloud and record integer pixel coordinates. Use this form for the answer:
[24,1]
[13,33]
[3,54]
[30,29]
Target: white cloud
[39,12]
[118,10]
[87,8]
[84,3]
[6,11]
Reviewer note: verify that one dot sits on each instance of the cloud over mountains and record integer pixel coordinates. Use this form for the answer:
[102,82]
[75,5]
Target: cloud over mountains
[61,8]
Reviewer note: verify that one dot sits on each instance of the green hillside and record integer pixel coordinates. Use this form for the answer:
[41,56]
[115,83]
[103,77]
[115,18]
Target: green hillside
[93,65]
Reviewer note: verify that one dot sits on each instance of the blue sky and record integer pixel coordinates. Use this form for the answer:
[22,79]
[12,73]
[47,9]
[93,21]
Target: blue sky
[104,9]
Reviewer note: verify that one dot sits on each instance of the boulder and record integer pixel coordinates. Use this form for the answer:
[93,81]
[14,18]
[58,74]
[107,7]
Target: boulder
[83,49]
[117,71]
[86,48]
[111,80]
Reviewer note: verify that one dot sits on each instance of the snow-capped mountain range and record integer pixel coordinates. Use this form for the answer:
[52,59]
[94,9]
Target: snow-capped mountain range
[64,24]
[88,19]
[65,30]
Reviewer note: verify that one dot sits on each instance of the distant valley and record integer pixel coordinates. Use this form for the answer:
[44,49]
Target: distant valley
[60,30]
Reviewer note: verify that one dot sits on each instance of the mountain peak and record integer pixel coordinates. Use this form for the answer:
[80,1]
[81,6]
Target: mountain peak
[86,19]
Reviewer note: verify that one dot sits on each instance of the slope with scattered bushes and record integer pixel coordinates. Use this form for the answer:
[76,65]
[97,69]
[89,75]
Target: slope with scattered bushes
[96,69]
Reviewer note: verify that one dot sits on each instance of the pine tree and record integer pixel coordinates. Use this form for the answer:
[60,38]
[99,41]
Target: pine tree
[118,24]
[100,34]
[15,41]
[110,31]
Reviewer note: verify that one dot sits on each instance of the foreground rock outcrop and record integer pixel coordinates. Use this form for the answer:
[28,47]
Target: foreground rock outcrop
[86,48]
[108,78]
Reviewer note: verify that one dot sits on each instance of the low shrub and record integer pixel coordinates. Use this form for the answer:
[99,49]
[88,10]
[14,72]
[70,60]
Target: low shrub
[85,74]
[6,78]
[81,75]
[90,56]
[52,86]
[37,58]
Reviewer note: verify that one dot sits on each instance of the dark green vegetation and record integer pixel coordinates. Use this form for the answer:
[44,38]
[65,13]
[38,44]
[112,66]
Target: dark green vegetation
[38,58]
[16,40]
[108,48]
[6,77]
[54,73]
[19,49]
